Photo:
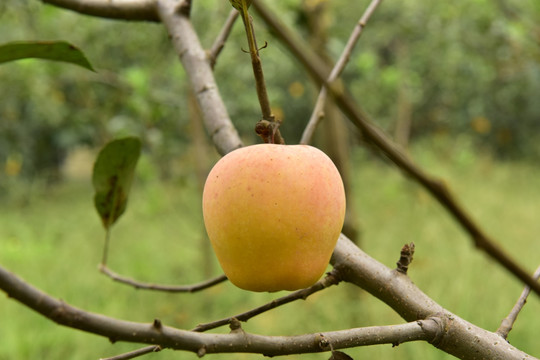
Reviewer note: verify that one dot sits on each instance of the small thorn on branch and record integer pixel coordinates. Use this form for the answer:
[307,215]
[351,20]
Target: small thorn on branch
[407,252]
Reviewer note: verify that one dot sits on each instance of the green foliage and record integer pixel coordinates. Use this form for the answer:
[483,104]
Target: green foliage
[457,62]
[465,68]
[48,109]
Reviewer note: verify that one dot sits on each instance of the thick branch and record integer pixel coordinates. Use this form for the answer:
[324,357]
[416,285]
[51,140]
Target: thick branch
[461,338]
[318,111]
[203,343]
[356,115]
[135,10]
[201,78]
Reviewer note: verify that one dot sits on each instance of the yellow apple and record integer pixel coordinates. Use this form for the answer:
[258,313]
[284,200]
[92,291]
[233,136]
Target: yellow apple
[273,214]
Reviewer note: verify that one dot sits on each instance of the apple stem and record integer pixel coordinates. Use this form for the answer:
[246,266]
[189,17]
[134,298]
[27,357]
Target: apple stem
[268,127]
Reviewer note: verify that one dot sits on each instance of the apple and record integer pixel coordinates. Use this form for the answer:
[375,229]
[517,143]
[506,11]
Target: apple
[273,214]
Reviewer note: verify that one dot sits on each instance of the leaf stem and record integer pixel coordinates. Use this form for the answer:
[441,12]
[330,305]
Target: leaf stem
[106,246]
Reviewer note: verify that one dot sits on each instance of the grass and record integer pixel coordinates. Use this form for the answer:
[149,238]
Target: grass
[54,241]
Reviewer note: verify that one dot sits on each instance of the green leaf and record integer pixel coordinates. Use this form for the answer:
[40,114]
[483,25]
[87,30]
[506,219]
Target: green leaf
[112,178]
[338,355]
[48,50]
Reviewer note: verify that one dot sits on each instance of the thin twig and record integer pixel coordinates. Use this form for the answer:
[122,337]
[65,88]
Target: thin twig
[508,322]
[257,65]
[437,187]
[332,278]
[318,110]
[268,127]
[222,37]
[136,353]
[165,288]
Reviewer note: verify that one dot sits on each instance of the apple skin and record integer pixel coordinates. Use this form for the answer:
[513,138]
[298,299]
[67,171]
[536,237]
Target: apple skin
[273,214]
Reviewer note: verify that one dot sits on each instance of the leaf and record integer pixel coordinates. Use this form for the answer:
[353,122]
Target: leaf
[112,178]
[338,355]
[48,50]
[241,4]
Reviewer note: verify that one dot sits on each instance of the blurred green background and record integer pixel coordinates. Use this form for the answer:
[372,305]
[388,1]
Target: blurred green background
[466,73]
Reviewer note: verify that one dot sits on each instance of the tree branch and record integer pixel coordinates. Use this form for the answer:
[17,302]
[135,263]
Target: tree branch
[438,188]
[200,75]
[135,10]
[268,127]
[202,343]
[318,110]
[441,328]
[461,338]
[330,279]
[165,288]
[219,43]
[135,353]
[508,322]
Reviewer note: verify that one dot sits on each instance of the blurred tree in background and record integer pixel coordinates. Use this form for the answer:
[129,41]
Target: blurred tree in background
[466,68]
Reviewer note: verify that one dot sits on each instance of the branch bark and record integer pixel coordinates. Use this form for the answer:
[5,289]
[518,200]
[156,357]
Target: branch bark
[201,79]
[460,338]
[237,341]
